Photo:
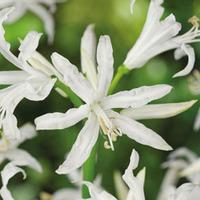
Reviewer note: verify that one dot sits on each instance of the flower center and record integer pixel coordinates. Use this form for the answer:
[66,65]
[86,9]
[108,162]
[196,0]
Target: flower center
[107,127]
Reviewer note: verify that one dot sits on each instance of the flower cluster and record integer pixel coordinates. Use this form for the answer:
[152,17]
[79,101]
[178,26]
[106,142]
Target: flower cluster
[104,114]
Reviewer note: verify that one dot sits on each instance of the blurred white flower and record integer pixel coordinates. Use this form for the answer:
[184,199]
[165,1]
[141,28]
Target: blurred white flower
[187,191]
[159,36]
[194,85]
[33,81]
[98,107]
[42,8]
[9,151]
[132,4]
[181,163]
[134,183]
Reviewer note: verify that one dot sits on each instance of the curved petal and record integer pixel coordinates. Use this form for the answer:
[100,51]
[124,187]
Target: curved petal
[62,120]
[136,97]
[135,185]
[139,132]
[88,52]
[132,4]
[96,194]
[197,121]
[73,78]
[22,158]
[179,53]
[39,89]
[82,147]
[157,111]
[29,45]
[12,77]
[10,128]
[7,173]
[46,17]
[105,62]
[67,194]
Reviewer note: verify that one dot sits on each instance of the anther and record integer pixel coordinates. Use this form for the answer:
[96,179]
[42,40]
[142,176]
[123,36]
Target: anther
[194,21]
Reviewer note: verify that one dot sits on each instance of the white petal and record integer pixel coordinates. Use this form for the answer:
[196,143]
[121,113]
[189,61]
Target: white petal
[139,132]
[192,169]
[67,194]
[132,4]
[97,194]
[105,64]
[39,89]
[11,77]
[73,78]
[82,147]
[197,121]
[135,185]
[189,51]
[22,158]
[62,120]
[46,17]
[29,45]
[10,128]
[136,97]
[88,52]
[7,173]
[157,111]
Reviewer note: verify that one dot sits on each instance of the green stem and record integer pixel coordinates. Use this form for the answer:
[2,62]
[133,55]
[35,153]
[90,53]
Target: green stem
[122,70]
[89,171]
[75,99]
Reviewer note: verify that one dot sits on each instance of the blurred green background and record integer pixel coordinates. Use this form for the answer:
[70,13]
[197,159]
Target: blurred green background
[111,17]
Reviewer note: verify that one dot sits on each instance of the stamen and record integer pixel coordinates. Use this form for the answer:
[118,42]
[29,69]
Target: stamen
[194,21]
[45,196]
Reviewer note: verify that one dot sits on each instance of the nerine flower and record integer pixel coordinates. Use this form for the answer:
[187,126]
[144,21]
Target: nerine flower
[18,158]
[98,107]
[181,163]
[32,81]
[194,85]
[38,7]
[135,183]
[159,36]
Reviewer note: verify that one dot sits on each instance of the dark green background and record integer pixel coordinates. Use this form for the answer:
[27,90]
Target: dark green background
[111,17]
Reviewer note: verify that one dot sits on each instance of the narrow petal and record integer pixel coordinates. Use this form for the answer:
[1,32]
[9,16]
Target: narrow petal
[39,89]
[132,4]
[135,98]
[135,185]
[12,77]
[29,45]
[82,147]
[192,169]
[157,111]
[189,51]
[197,121]
[67,194]
[97,194]
[7,173]
[46,17]
[88,55]
[73,78]
[105,64]
[62,120]
[139,132]
[10,128]
[22,158]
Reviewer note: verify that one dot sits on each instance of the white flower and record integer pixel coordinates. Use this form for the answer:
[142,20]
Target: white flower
[135,183]
[194,85]
[187,191]
[33,81]
[38,7]
[98,107]
[181,163]
[159,36]
[7,173]
[9,151]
